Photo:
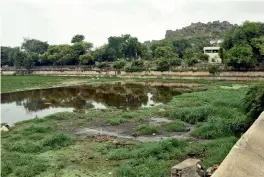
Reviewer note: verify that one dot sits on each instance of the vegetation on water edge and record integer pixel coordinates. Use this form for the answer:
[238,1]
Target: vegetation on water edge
[44,146]
[254,101]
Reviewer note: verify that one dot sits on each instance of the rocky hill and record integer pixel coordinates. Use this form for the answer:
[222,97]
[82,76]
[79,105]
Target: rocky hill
[215,29]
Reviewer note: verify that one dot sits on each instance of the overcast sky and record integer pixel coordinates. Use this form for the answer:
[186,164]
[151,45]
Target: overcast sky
[56,21]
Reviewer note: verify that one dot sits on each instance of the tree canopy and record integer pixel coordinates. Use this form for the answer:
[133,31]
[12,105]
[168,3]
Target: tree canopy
[243,47]
[77,38]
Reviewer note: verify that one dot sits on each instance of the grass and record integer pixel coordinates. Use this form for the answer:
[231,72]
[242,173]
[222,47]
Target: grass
[175,126]
[148,130]
[19,83]
[43,147]
[115,121]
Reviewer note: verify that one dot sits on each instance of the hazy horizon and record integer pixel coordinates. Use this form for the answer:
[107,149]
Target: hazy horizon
[57,21]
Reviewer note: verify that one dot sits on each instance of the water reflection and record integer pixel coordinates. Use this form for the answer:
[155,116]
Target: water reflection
[27,104]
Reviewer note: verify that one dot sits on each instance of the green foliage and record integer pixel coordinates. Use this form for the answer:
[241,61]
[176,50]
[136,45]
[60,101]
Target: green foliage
[162,64]
[175,126]
[29,60]
[19,58]
[241,56]
[135,66]
[128,115]
[36,129]
[115,121]
[204,57]
[102,65]
[218,114]
[57,141]
[77,38]
[192,115]
[164,52]
[148,159]
[144,167]
[24,165]
[61,55]
[242,46]
[191,61]
[87,59]
[254,101]
[213,69]
[148,130]
[119,64]
[7,55]
[34,46]
[175,62]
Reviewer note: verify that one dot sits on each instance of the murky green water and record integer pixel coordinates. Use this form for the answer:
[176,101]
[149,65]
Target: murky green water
[24,105]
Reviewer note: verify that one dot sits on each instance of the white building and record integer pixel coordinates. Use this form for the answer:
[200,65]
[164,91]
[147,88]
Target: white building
[213,54]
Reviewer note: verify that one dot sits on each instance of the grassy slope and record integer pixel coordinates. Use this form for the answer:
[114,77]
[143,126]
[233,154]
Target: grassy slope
[53,150]
[19,83]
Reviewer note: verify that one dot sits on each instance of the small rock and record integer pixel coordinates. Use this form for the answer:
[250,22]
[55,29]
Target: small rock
[154,134]
[209,171]
[4,129]
[199,166]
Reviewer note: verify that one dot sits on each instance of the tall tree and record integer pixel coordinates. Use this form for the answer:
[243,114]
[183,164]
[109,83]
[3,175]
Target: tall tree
[243,45]
[165,52]
[34,46]
[77,38]
[241,56]
[61,55]
[7,55]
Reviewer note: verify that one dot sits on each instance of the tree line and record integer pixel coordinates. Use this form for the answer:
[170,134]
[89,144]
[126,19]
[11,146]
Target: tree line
[243,46]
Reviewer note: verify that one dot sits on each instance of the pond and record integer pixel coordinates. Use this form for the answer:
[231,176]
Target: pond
[25,105]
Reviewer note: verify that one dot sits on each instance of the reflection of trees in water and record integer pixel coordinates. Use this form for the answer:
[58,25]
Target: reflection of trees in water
[121,96]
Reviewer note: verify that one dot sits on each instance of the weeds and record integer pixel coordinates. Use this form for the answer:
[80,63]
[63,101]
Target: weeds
[175,126]
[115,121]
[148,130]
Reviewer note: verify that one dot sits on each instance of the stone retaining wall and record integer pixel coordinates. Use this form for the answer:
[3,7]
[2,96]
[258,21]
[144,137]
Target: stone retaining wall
[250,75]
[246,158]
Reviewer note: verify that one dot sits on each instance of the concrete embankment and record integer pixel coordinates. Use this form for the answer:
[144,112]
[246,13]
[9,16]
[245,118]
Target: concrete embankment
[226,75]
[246,158]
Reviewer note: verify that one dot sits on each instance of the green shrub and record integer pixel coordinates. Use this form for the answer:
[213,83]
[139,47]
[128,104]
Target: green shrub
[6,168]
[204,57]
[149,166]
[36,129]
[57,140]
[162,64]
[175,62]
[31,170]
[148,130]
[119,64]
[128,115]
[22,164]
[217,127]
[165,149]
[25,147]
[102,65]
[191,115]
[254,101]
[135,66]
[175,126]
[213,69]
[217,150]
[115,121]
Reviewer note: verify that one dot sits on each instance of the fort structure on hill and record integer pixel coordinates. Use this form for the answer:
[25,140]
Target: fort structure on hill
[215,29]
